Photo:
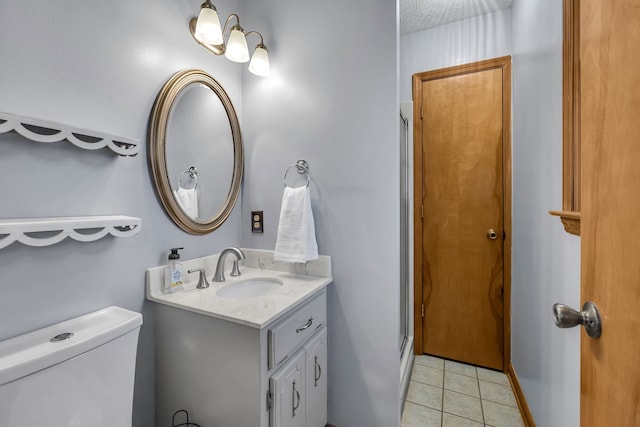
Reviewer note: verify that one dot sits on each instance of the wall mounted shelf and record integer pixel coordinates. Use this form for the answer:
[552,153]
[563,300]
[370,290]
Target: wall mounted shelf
[45,131]
[49,231]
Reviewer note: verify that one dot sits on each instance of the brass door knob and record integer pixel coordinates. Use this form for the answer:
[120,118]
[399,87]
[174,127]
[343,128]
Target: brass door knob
[491,233]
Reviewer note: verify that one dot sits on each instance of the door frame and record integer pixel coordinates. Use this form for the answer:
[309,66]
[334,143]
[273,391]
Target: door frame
[505,64]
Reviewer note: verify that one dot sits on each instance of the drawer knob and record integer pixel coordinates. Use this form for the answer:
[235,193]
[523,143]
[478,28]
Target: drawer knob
[306,325]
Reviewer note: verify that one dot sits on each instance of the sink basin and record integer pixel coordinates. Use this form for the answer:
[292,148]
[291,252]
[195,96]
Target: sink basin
[249,288]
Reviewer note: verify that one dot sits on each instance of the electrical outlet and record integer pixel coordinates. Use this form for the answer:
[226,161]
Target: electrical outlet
[257,222]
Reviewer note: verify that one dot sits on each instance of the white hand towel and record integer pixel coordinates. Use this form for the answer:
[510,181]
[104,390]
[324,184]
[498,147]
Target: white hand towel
[188,200]
[296,240]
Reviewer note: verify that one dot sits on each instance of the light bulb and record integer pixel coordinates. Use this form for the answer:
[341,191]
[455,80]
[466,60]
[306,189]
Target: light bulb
[237,50]
[260,61]
[208,26]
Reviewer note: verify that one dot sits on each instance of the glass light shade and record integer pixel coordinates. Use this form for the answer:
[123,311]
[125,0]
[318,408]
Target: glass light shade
[259,62]
[208,27]
[237,50]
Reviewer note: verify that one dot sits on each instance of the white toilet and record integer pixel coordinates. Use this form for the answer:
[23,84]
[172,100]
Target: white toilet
[78,373]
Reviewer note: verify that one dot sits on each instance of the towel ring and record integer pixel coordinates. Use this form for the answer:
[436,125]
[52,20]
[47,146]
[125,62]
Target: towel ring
[192,172]
[301,167]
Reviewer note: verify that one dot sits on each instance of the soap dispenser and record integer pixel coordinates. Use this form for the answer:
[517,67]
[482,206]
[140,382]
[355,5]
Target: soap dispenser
[173,272]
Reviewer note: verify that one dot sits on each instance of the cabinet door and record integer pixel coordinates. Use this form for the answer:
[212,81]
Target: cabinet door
[316,372]
[288,387]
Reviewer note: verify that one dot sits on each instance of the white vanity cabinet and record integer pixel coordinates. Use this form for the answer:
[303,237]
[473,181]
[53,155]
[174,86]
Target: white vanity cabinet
[297,346]
[316,379]
[287,393]
[298,389]
[229,374]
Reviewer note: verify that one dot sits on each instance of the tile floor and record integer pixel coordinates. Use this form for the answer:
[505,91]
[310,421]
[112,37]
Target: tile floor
[451,394]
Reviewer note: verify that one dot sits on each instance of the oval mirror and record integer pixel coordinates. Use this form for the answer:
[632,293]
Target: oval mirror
[195,151]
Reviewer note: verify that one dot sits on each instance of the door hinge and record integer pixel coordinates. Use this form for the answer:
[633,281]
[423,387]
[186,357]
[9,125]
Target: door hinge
[422,211]
[269,400]
[422,111]
[422,310]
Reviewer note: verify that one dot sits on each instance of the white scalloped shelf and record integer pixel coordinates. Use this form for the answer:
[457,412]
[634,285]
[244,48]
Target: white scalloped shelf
[45,131]
[49,231]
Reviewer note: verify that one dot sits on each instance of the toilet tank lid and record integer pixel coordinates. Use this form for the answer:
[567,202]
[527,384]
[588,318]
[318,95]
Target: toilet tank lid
[37,350]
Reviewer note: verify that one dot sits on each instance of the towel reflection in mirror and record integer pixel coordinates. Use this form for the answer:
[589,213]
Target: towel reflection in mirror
[187,192]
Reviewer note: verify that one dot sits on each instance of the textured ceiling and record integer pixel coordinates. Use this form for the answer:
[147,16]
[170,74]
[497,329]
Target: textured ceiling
[417,15]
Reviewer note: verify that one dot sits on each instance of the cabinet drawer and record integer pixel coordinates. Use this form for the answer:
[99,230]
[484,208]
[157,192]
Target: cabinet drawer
[290,333]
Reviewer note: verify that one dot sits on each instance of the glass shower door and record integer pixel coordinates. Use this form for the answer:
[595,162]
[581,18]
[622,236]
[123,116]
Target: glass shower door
[404,231]
[405,335]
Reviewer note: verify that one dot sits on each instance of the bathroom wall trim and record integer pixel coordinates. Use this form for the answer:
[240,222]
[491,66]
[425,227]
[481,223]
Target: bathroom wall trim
[527,417]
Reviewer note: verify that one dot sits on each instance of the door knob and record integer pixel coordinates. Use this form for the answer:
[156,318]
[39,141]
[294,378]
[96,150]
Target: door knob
[589,317]
[491,233]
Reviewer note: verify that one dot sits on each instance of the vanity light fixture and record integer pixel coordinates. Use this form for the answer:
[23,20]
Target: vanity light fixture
[208,32]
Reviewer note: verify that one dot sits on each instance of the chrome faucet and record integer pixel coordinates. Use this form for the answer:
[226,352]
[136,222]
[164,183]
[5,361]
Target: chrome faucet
[202,280]
[235,271]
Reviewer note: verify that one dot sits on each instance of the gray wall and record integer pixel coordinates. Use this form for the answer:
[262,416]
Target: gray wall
[332,100]
[474,39]
[338,112]
[100,65]
[546,260]
[96,65]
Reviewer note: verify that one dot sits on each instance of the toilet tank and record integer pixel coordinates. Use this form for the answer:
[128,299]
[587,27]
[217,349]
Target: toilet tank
[78,373]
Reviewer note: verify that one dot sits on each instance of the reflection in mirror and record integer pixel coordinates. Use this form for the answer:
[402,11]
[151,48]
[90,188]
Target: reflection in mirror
[195,151]
[199,136]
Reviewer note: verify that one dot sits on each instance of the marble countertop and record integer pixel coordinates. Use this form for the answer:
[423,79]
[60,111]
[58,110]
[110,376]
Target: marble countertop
[298,285]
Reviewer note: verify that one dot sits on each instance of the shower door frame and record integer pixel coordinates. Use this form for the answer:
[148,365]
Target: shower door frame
[406,245]
[406,232]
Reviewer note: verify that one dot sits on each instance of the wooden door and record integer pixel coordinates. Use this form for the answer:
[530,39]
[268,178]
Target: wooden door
[462,224]
[610,229]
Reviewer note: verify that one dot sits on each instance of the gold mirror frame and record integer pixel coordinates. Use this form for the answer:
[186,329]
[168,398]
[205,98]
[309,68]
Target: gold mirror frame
[157,150]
